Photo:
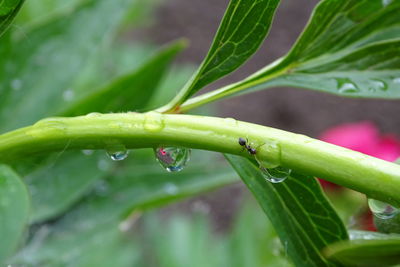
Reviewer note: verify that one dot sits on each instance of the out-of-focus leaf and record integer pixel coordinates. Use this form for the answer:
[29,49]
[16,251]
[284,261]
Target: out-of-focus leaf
[242,30]
[131,91]
[36,75]
[380,252]
[139,185]
[8,10]
[14,211]
[349,48]
[62,180]
[303,218]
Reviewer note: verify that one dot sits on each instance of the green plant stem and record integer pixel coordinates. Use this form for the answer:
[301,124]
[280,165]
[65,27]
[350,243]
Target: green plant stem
[377,178]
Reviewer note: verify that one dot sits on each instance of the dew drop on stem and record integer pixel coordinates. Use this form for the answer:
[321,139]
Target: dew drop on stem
[382,210]
[275,175]
[172,159]
[117,152]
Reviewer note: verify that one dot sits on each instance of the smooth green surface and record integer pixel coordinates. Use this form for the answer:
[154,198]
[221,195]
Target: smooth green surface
[101,221]
[349,48]
[8,10]
[302,216]
[14,211]
[242,30]
[377,178]
[384,252]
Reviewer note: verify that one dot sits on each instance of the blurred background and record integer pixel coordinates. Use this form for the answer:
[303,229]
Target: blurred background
[225,223]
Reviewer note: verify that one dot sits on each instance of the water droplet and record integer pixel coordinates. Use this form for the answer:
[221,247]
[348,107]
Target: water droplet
[345,85]
[231,121]
[16,84]
[171,189]
[173,159]
[382,210]
[68,95]
[376,85]
[396,80]
[386,2]
[153,122]
[275,175]
[87,152]
[117,153]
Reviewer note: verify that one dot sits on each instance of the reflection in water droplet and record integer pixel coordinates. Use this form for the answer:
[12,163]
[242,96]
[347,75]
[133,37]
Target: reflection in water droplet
[16,84]
[118,155]
[153,122]
[396,80]
[276,175]
[386,2]
[345,85]
[173,159]
[376,85]
[382,210]
[171,189]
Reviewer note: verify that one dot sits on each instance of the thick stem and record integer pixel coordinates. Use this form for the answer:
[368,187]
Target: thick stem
[377,178]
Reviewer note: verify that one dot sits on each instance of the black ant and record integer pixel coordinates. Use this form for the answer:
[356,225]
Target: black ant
[244,143]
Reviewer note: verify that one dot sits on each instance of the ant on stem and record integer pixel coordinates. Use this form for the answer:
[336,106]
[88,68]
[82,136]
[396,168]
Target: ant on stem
[244,143]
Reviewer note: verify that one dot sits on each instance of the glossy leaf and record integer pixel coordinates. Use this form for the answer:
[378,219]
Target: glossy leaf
[8,10]
[14,211]
[379,252]
[302,216]
[349,48]
[131,91]
[242,30]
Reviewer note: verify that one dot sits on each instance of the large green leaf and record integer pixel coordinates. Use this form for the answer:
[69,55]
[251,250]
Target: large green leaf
[8,10]
[349,48]
[242,30]
[303,218]
[131,91]
[14,211]
[374,252]
[137,185]
[37,75]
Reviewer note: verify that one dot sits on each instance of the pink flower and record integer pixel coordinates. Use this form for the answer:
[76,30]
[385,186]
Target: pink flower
[363,137]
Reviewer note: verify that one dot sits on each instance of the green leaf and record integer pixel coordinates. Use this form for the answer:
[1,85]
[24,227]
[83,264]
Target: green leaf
[62,180]
[302,216]
[242,30]
[8,10]
[349,48]
[14,211]
[379,252]
[138,184]
[36,76]
[131,91]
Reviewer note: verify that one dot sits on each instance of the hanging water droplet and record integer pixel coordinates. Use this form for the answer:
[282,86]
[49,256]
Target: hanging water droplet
[376,84]
[16,84]
[396,80]
[345,85]
[173,159]
[275,175]
[118,155]
[68,95]
[382,210]
[171,189]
